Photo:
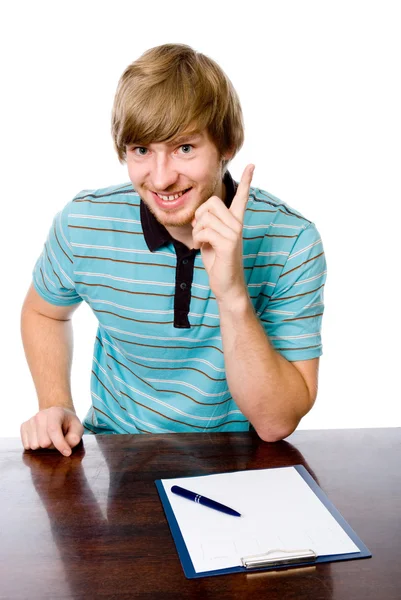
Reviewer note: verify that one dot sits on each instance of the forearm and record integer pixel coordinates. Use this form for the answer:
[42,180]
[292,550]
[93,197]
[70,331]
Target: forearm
[267,388]
[48,345]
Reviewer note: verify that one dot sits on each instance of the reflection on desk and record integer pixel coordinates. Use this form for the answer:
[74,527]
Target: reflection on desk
[92,525]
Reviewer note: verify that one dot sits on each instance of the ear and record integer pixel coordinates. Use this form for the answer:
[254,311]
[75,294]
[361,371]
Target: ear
[225,159]
[228,155]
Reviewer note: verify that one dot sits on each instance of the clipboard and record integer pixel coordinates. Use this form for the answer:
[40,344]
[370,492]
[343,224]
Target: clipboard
[271,558]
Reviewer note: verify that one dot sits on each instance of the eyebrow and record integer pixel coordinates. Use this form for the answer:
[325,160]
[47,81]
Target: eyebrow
[183,138]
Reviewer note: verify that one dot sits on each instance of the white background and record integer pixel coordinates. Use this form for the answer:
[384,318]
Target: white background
[320,89]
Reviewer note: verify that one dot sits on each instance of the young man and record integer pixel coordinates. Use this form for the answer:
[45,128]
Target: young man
[208,293]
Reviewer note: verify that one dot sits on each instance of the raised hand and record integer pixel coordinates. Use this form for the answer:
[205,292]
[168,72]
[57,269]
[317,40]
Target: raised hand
[217,231]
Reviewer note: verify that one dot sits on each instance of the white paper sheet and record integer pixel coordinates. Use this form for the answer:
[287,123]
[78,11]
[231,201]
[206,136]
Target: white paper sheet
[279,511]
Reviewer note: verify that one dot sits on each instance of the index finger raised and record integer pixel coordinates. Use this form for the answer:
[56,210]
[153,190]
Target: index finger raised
[240,199]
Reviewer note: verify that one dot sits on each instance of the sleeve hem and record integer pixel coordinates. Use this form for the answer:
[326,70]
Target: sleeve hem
[293,356]
[52,300]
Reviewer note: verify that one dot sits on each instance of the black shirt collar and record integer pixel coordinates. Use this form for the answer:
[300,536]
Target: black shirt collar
[156,235]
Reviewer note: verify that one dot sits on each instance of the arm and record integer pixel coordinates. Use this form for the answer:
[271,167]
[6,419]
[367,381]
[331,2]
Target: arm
[272,392]
[47,338]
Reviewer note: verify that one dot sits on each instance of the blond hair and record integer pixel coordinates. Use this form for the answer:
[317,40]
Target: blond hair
[172,89]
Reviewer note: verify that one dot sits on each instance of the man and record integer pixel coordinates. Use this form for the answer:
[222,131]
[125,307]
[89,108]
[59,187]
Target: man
[208,293]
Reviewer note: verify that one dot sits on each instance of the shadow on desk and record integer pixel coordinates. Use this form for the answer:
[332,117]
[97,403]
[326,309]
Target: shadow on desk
[109,527]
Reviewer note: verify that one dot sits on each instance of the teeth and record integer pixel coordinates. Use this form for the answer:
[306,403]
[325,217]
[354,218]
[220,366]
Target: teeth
[168,198]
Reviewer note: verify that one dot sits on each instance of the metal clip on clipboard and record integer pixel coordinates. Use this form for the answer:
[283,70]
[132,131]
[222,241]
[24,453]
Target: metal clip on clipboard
[278,557]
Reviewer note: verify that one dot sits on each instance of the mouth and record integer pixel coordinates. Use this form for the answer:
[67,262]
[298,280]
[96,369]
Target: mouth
[171,201]
[172,197]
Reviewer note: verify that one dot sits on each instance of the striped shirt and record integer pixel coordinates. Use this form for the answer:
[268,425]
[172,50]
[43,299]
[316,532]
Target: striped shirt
[158,363]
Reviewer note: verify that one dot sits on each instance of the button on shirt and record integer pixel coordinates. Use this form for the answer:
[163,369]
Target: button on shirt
[156,236]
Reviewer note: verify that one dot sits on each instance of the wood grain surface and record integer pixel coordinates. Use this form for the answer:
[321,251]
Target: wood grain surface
[92,525]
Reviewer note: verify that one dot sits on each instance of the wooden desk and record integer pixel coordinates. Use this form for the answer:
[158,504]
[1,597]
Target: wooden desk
[92,526]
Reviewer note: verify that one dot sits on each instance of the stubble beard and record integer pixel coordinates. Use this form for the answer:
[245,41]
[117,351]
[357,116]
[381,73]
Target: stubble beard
[172,220]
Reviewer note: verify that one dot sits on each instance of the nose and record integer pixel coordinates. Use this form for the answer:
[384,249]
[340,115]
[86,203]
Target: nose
[164,173]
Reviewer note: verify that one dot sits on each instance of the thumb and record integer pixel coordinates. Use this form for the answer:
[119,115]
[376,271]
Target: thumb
[73,430]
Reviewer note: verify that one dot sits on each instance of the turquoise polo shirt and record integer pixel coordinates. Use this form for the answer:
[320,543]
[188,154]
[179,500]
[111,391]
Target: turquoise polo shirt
[158,362]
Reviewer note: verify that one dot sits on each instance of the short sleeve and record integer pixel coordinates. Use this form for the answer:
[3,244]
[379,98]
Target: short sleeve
[292,317]
[53,275]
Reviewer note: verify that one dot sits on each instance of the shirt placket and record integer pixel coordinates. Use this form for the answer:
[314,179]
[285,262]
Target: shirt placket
[183,284]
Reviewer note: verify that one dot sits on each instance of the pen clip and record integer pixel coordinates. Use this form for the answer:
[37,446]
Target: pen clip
[279,557]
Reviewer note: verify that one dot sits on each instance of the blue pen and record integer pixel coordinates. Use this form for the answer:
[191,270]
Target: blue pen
[176,489]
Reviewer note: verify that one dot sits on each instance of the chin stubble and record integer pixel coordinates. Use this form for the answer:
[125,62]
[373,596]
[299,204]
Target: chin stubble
[185,220]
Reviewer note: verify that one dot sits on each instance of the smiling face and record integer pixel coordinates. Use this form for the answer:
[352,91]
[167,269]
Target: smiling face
[175,178]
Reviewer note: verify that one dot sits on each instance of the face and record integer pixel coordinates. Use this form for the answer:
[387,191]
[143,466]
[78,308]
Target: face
[175,178]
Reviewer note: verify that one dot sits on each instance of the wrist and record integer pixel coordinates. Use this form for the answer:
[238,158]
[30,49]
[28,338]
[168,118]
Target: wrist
[65,404]
[237,304]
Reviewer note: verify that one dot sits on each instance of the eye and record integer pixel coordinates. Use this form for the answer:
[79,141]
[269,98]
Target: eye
[140,151]
[186,148]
